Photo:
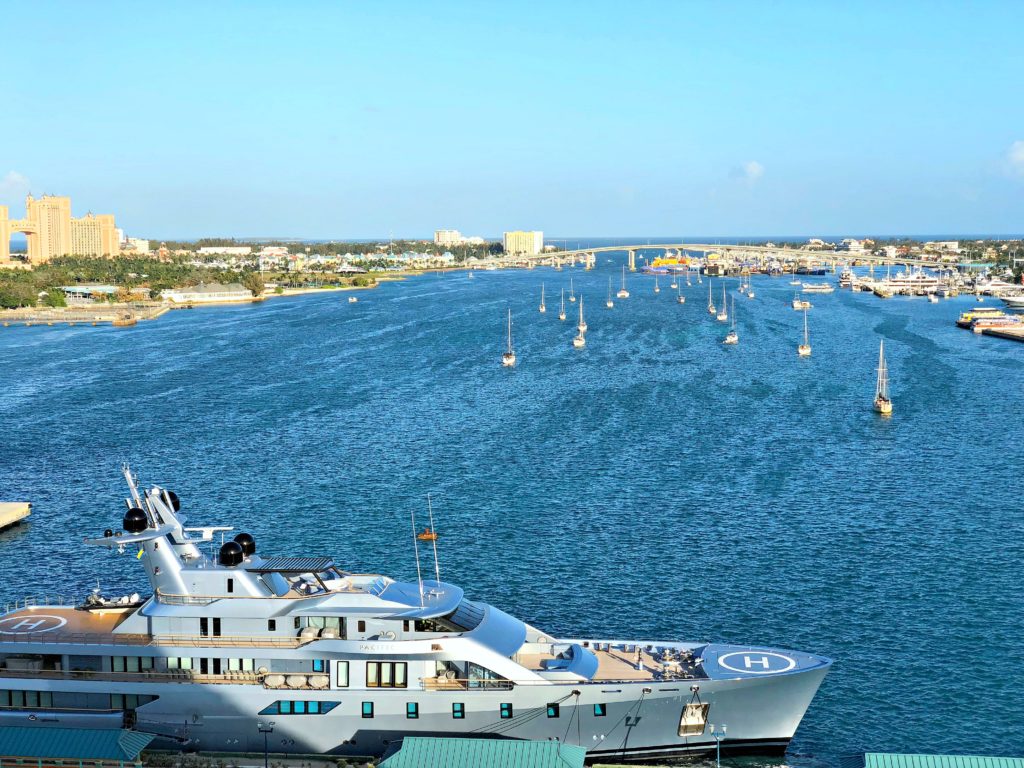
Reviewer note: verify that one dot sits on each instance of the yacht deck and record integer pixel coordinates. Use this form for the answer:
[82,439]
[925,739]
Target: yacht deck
[612,664]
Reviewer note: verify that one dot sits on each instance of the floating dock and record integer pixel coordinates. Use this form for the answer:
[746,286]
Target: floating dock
[13,512]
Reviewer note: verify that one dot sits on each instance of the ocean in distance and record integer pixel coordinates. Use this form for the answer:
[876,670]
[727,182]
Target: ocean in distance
[655,484]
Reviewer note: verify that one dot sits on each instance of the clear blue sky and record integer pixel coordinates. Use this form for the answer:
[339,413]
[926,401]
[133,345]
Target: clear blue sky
[332,119]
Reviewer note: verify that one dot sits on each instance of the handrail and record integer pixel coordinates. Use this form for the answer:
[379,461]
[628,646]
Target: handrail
[192,641]
[230,677]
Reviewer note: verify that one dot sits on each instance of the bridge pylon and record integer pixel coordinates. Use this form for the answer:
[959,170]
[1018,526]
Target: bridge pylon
[632,260]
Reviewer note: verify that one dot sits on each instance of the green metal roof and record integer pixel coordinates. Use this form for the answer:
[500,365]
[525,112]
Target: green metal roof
[74,743]
[422,752]
[887,760]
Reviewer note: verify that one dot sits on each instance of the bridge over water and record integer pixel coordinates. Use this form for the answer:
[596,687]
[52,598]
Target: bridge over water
[731,252]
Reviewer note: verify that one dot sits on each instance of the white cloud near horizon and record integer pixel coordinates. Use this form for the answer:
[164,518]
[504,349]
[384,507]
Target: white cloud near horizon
[13,187]
[1015,158]
[749,172]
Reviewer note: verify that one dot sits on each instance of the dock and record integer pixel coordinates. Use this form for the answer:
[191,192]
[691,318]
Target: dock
[13,512]
[1014,334]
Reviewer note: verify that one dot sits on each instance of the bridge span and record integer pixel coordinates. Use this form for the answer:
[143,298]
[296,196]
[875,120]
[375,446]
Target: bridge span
[737,252]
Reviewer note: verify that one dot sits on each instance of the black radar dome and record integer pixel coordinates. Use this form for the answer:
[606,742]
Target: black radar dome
[135,520]
[175,501]
[247,542]
[231,553]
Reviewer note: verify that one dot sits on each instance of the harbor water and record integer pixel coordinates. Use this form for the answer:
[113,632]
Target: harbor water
[655,484]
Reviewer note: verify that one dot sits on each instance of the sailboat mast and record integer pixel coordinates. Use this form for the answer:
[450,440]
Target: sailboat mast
[510,330]
[805,328]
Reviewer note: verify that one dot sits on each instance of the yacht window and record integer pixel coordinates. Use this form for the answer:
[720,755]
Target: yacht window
[361,626]
[600,710]
[552,710]
[174,662]
[285,707]
[367,710]
[299,707]
[386,674]
[506,711]
[458,711]
[231,586]
[412,710]
[405,625]
[216,627]
[271,625]
[693,719]
[342,674]
[204,627]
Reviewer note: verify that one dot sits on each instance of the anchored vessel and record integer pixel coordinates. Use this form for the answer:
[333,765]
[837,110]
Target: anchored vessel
[883,403]
[508,357]
[345,663]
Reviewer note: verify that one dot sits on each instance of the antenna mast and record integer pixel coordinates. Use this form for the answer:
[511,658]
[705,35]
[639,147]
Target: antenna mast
[416,549]
[437,568]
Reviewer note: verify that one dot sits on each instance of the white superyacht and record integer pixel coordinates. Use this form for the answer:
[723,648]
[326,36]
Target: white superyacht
[346,664]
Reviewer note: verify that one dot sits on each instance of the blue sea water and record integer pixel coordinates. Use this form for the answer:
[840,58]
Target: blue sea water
[655,484]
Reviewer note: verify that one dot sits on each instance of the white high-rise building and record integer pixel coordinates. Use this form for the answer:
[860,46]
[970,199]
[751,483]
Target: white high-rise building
[520,243]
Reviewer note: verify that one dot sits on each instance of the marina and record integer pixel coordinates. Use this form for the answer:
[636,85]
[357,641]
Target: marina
[574,431]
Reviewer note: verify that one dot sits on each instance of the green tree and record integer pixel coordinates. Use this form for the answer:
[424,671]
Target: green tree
[254,282]
[55,298]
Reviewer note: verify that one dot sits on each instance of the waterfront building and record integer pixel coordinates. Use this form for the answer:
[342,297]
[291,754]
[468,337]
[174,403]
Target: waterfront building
[225,250]
[51,231]
[138,245]
[447,237]
[208,293]
[520,243]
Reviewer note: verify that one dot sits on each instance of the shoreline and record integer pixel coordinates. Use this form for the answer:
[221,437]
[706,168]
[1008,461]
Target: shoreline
[126,315]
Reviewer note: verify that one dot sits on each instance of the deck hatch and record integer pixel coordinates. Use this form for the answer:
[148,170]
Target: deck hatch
[292,565]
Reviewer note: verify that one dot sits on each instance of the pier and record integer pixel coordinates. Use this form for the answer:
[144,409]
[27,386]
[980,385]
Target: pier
[13,512]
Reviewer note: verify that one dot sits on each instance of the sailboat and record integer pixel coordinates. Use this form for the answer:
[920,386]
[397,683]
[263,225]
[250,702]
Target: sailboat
[561,312]
[580,340]
[688,283]
[711,301]
[675,280]
[543,307]
[679,295]
[508,358]
[723,316]
[572,293]
[794,281]
[882,402]
[804,350]
[623,293]
[732,337]
[609,303]
[657,288]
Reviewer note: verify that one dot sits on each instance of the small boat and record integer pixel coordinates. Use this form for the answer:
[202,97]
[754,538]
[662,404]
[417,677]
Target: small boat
[675,281]
[657,288]
[732,337]
[508,357]
[609,303]
[543,308]
[932,298]
[688,283]
[679,295]
[723,316]
[804,350]
[711,301]
[582,325]
[352,299]
[427,534]
[572,293]
[623,293]
[561,312]
[817,287]
[800,304]
[883,404]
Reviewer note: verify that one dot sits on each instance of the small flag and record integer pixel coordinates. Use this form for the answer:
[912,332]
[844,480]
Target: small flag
[139,556]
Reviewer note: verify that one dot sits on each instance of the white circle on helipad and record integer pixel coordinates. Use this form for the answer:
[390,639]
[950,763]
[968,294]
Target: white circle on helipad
[26,625]
[757,662]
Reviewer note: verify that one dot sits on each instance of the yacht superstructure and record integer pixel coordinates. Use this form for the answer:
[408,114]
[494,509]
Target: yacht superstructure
[346,663]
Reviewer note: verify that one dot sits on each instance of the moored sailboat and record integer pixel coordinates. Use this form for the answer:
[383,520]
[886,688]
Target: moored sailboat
[609,303]
[723,315]
[732,337]
[711,301]
[623,293]
[508,358]
[804,350]
[572,293]
[580,340]
[883,403]
[543,308]
[561,312]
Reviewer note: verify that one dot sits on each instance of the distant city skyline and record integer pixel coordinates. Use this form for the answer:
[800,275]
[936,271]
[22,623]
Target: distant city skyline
[354,121]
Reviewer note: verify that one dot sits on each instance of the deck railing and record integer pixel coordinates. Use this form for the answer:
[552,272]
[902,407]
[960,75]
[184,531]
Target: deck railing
[188,641]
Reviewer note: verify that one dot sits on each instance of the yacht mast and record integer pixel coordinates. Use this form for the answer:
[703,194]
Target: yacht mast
[416,549]
[437,568]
